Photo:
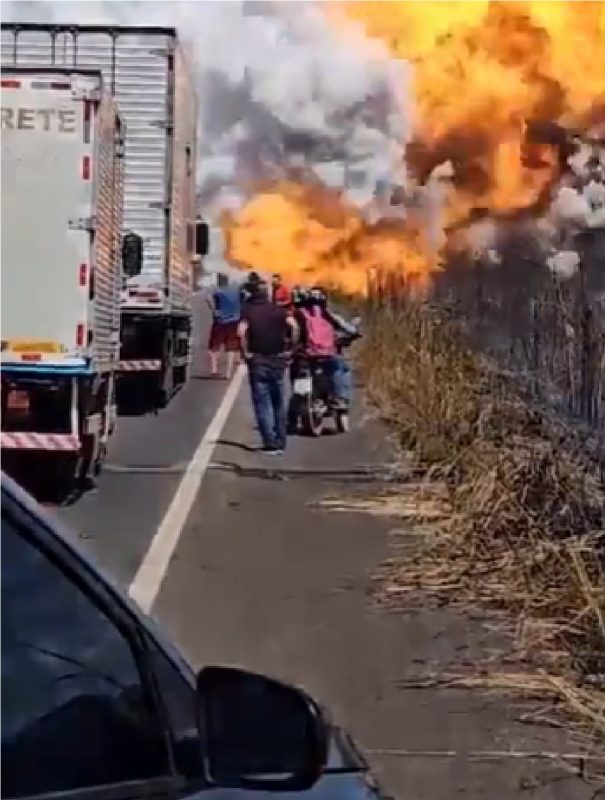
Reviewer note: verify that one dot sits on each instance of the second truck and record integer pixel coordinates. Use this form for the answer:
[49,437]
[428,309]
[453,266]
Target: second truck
[146,72]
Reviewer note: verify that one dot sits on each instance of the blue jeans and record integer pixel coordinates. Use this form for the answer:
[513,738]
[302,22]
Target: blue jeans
[342,378]
[268,401]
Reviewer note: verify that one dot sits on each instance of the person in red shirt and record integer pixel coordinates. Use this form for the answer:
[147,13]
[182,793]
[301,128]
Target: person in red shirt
[280,294]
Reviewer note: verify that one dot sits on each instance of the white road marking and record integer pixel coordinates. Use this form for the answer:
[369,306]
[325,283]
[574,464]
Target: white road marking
[152,570]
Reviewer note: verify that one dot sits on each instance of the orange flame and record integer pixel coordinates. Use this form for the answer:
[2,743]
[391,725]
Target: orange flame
[311,234]
[484,72]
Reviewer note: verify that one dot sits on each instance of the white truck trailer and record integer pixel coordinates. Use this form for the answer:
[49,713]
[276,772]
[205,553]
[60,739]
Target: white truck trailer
[146,72]
[62,168]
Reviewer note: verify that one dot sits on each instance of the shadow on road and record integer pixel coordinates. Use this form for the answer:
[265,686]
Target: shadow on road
[240,445]
[42,476]
[133,403]
[134,408]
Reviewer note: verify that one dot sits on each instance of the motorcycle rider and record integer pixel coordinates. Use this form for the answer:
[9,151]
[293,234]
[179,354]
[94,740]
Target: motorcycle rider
[313,314]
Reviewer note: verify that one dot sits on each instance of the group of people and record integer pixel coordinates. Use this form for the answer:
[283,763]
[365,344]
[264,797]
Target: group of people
[267,325]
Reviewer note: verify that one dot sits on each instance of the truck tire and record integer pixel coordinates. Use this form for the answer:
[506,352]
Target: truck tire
[165,389]
[101,456]
[87,458]
[181,375]
[166,379]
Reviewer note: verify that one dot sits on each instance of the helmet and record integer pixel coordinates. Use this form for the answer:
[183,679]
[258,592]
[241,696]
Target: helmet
[300,295]
[318,297]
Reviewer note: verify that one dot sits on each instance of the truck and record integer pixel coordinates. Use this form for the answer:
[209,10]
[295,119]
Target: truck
[62,178]
[146,72]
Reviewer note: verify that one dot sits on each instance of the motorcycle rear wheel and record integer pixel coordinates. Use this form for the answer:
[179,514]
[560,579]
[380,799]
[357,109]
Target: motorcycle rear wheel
[313,420]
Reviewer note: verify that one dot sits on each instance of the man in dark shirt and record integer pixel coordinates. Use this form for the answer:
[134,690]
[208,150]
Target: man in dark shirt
[267,333]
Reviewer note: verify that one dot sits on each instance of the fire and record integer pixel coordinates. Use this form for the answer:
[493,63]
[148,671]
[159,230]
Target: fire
[487,77]
[482,71]
[311,235]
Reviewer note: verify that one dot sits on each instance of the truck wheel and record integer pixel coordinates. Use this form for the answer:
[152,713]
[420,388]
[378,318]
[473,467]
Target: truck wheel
[101,456]
[86,459]
[180,375]
[112,409]
[166,388]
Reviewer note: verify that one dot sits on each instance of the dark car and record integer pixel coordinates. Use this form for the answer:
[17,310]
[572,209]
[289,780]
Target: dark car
[96,702]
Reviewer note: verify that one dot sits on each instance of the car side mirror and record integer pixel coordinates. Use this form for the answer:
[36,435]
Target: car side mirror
[132,254]
[257,733]
[202,237]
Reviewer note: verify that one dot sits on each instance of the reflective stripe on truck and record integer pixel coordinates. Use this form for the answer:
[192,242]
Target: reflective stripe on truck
[149,365]
[39,441]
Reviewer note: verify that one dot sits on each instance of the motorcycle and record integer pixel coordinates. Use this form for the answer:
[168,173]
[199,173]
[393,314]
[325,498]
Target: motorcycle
[312,401]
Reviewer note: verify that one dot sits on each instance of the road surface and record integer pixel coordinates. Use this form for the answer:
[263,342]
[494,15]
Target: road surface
[231,551]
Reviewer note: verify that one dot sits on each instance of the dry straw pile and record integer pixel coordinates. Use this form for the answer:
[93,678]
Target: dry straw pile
[526,533]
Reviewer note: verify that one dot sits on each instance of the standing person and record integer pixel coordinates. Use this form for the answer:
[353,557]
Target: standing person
[249,286]
[225,305]
[267,334]
[280,294]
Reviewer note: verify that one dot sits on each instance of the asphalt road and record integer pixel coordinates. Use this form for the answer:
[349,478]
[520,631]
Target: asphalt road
[147,457]
[254,571]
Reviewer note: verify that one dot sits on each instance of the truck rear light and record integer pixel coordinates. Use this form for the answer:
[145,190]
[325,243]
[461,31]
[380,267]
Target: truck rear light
[31,356]
[17,401]
[83,274]
[80,335]
[86,168]
[10,84]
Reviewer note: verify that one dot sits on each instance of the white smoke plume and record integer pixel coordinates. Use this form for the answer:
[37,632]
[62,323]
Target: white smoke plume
[579,204]
[564,264]
[279,87]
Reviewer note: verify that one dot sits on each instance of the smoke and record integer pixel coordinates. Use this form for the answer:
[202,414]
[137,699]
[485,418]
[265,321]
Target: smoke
[564,264]
[279,89]
[578,205]
[285,93]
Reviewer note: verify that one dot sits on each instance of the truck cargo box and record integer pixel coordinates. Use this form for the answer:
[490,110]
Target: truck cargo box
[146,71]
[61,220]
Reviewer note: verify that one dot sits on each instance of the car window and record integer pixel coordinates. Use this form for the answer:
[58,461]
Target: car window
[75,711]
[178,697]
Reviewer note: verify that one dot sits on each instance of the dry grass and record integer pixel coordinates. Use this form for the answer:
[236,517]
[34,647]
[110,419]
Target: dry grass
[526,531]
